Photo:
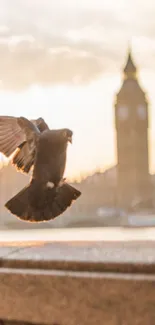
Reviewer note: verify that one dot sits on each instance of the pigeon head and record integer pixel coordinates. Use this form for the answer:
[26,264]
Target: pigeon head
[67,135]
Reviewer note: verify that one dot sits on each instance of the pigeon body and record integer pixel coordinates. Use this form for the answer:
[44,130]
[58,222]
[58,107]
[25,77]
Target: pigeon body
[33,144]
[50,158]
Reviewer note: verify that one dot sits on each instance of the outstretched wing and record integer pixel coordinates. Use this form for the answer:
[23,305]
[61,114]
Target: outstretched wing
[23,159]
[11,135]
[41,124]
[17,135]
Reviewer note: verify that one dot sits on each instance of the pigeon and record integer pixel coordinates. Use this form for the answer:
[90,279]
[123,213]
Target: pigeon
[31,145]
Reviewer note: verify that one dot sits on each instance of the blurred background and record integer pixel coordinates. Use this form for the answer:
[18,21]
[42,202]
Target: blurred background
[88,65]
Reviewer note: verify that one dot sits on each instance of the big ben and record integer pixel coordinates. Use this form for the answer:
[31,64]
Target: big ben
[131,121]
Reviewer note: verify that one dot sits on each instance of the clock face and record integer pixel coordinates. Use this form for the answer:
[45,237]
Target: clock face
[123,112]
[141,110]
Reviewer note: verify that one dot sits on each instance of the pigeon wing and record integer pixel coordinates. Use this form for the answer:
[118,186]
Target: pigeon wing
[11,135]
[23,159]
[41,124]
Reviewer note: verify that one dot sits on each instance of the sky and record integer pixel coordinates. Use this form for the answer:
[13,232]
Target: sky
[63,60]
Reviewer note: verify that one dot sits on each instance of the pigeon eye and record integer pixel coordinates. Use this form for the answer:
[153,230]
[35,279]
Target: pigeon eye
[64,134]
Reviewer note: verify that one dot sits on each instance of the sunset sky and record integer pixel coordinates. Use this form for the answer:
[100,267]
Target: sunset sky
[63,60]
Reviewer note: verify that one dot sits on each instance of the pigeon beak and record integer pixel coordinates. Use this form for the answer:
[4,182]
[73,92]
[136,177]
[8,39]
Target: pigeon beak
[70,139]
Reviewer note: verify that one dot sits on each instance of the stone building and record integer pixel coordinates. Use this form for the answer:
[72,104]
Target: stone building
[132,125]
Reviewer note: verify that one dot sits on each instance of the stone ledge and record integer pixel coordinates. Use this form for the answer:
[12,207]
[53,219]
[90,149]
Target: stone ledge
[73,298]
[124,257]
[82,283]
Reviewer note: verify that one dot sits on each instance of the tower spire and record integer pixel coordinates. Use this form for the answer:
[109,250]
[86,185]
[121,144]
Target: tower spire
[130,67]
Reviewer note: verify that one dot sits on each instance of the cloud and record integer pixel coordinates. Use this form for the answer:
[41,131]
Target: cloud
[24,62]
[49,41]
[77,53]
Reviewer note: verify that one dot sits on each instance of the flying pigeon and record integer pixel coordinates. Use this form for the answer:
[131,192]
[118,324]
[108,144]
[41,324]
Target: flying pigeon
[32,145]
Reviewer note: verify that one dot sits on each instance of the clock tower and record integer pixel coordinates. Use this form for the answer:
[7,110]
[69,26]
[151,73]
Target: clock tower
[131,121]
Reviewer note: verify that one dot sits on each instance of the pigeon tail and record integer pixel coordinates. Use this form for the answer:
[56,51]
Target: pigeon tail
[37,203]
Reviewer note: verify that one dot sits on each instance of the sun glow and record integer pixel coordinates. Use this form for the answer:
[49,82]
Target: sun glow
[88,110]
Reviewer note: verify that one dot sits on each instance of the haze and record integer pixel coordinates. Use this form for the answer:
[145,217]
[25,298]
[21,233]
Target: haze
[63,60]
